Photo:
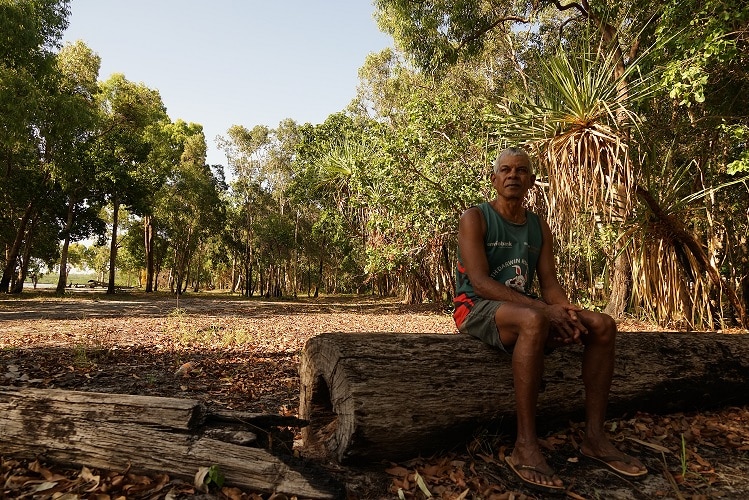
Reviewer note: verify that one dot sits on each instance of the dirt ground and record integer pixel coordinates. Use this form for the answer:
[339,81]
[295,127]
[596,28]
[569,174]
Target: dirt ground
[243,355]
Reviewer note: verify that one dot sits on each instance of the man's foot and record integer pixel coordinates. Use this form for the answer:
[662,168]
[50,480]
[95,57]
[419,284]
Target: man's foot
[540,477]
[615,460]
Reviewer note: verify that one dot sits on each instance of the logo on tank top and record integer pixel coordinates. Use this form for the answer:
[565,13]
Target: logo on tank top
[518,281]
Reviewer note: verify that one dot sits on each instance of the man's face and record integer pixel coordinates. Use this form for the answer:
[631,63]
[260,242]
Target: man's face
[513,177]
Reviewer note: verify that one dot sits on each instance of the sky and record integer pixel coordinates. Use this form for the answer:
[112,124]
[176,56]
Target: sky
[234,62]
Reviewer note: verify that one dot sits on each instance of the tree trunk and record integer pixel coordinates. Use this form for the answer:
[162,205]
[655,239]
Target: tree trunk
[12,253]
[621,286]
[26,259]
[373,396]
[148,245]
[150,435]
[113,245]
[62,281]
[296,254]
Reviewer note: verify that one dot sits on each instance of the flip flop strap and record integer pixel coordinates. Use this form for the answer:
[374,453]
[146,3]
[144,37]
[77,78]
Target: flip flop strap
[533,468]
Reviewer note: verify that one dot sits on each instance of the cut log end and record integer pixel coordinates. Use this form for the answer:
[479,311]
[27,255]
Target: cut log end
[319,434]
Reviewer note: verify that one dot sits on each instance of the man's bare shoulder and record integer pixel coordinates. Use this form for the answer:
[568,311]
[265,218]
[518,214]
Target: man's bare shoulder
[471,215]
[472,220]
[474,209]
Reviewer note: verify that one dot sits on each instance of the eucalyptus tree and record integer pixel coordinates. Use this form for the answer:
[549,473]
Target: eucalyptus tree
[261,160]
[75,173]
[32,31]
[244,150]
[190,208]
[132,116]
[246,204]
[168,145]
[431,165]
[63,132]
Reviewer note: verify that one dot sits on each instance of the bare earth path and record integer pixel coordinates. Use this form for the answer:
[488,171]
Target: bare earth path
[243,354]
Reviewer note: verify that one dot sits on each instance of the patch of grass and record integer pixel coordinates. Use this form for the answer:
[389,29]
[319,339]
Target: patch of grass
[177,324]
[82,357]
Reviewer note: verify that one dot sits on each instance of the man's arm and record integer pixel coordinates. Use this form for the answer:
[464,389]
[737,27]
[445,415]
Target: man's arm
[551,290]
[569,327]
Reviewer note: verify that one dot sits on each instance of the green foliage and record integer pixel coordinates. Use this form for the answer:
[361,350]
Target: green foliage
[707,50]
[436,34]
[738,137]
[215,477]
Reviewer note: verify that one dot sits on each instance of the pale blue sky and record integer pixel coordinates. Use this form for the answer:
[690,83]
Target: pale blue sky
[234,62]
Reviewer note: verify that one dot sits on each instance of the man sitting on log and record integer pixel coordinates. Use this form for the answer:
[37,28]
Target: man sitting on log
[501,247]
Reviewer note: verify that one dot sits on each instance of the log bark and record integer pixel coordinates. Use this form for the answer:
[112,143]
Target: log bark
[371,396]
[147,435]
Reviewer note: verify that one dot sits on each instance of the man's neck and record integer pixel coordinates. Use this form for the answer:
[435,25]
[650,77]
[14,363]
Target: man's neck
[510,209]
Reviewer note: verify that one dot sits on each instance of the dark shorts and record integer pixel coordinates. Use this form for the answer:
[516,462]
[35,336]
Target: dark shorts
[480,323]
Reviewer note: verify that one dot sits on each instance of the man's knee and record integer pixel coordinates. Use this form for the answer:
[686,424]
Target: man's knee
[602,326]
[525,321]
[533,323]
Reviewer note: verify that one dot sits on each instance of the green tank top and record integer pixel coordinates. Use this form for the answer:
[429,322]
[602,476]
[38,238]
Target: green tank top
[511,249]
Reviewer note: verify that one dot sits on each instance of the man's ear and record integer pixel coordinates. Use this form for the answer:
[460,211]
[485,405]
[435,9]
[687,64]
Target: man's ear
[533,180]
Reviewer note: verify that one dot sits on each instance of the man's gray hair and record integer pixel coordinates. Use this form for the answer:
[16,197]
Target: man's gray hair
[513,151]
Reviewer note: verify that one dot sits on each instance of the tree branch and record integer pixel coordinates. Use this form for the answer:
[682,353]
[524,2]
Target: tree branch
[482,31]
[574,5]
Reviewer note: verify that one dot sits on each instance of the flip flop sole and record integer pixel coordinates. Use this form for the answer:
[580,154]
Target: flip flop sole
[607,462]
[546,488]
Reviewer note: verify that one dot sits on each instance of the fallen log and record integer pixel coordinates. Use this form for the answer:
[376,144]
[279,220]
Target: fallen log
[370,396]
[149,435]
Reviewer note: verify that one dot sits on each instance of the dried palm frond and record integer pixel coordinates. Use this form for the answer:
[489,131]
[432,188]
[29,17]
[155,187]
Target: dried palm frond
[674,280]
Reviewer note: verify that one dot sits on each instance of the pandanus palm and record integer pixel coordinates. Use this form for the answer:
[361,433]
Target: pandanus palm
[580,120]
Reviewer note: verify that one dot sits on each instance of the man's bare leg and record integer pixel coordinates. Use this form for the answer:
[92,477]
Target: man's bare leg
[526,332]
[597,371]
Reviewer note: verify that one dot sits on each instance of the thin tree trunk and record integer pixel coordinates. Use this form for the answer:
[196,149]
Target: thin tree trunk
[62,281]
[296,253]
[148,245]
[12,254]
[157,270]
[621,286]
[319,277]
[25,260]
[234,281]
[113,246]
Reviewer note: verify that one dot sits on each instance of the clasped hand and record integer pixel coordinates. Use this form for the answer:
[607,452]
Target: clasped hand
[566,327]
